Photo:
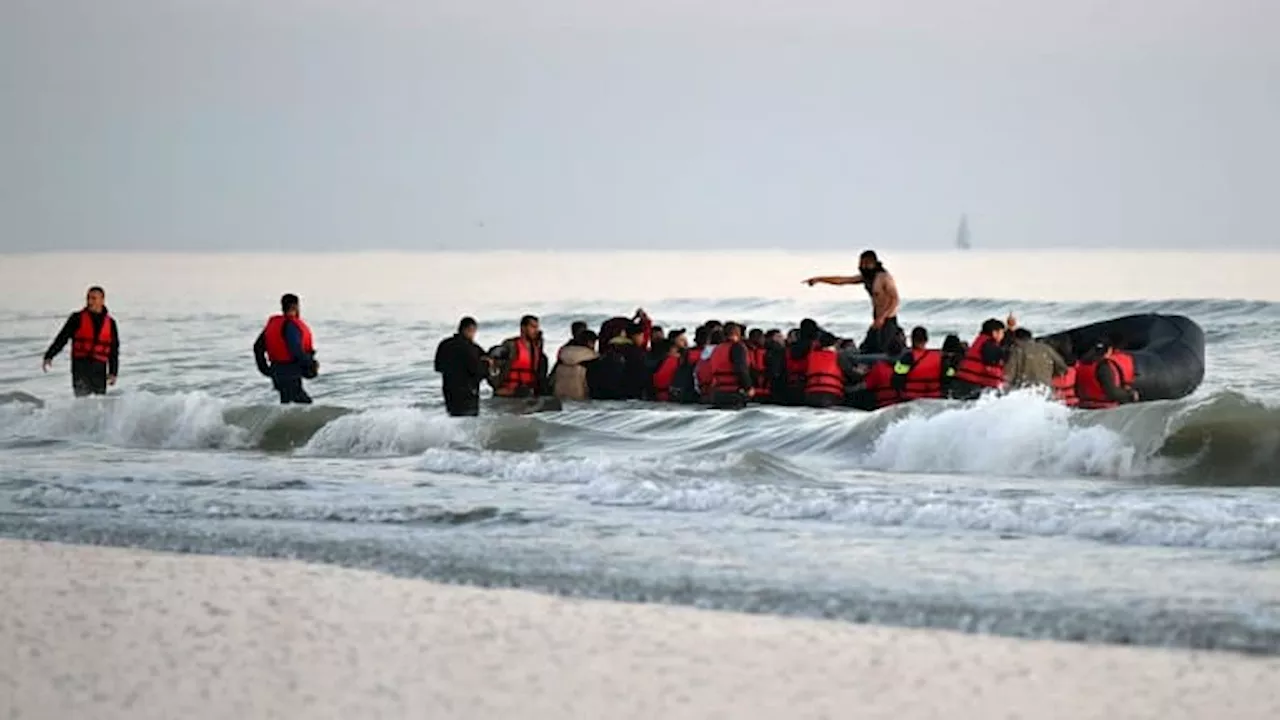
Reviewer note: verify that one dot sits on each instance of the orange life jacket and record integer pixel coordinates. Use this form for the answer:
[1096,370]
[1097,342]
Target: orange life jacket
[822,373]
[277,349]
[879,381]
[1064,387]
[724,378]
[763,383]
[85,345]
[973,371]
[522,371]
[924,379]
[1089,390]
[663,376]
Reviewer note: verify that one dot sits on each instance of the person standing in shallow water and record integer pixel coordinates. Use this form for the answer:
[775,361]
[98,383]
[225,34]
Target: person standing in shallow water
[462,365]
[95,346]
[880,285]
[284,352]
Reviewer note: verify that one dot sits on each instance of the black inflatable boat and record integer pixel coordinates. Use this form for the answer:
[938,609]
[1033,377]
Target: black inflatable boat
[1167,350]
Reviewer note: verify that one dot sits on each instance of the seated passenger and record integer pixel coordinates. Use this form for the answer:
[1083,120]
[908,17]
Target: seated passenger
[982,367]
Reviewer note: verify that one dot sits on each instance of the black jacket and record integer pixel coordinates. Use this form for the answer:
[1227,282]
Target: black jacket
[458,360]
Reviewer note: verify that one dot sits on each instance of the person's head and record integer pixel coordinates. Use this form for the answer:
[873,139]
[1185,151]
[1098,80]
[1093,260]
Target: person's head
[953,345]
[919,338]
[577,328]
[289,305]
[1022,335]
[1103,348]
[793,336]
[994,329]
[529,328]
[733,332]
[700,335]
[657,333]
[773,336]
[755,337]
[635,331]
[715,337]
[679,341]
[808,326]
[467,328]
[868,263]
[587,339]
[714,325]
[95,298]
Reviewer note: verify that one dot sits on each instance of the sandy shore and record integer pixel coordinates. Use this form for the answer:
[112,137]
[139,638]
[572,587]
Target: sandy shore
[104,633]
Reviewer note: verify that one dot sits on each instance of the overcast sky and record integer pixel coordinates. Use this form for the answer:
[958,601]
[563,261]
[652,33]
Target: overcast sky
[429,124]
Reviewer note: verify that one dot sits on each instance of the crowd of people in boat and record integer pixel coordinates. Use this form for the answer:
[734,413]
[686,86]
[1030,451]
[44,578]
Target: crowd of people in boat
[725,365]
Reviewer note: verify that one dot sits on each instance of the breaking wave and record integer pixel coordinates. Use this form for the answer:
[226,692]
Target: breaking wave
[1225,438]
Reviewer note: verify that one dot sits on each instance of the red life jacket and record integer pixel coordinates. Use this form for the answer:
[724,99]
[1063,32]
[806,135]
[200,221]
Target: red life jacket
[663,376]
[724,378]
[797,369]
[522,372]
[763,385]
[924,378]
[879,381]
[1064,387]
[822,373]
[277,349]
[1089,390]
[693,355]
[702,371]
[973,371]
[85,345]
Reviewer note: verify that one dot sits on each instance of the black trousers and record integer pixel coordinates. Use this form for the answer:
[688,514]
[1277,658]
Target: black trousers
[462,401]
[291,390]
[877,341]
[88,378]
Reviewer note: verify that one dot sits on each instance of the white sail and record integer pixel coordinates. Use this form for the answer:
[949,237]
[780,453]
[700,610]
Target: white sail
[962,234]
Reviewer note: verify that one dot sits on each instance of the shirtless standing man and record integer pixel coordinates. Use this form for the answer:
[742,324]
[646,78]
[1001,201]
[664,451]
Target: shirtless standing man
[884,299]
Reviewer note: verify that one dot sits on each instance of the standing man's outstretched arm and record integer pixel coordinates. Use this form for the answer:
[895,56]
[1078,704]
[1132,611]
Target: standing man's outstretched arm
[834,280]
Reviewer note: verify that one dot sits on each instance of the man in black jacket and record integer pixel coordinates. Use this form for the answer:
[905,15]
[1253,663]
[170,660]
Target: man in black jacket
[95,346]
[462,365]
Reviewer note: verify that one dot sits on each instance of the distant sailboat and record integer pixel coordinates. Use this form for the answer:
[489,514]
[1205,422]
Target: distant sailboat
[962,234]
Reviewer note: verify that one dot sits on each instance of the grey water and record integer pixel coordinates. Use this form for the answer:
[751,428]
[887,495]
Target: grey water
[1157,524]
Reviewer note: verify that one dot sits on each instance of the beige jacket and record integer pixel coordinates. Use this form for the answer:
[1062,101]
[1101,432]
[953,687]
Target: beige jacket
[570,378]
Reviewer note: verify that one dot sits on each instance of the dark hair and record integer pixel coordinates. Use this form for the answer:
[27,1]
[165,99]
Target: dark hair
[713,324]
[700,335]
[634,329]
[466,322]
[528,320]
[952,344]
[755,334]
[96,289]
[671,336]
[1022,334]
[991,325]
[577,327]
[869,255]
[919,336]
[655,329]
[661,347]
[716,336]
[586,338]
[287,301]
